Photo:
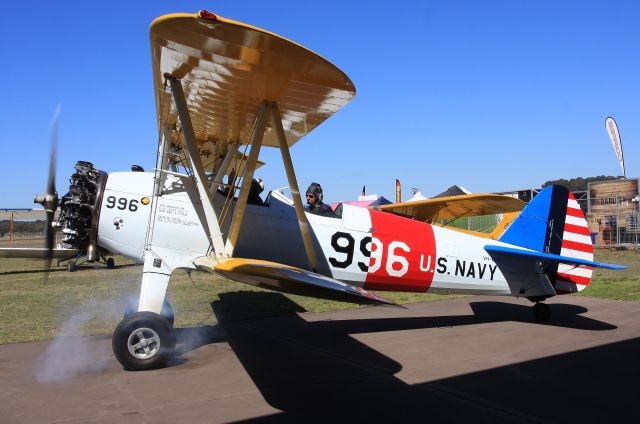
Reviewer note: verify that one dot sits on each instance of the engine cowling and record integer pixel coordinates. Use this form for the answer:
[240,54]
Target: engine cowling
[125,213]
[80,209]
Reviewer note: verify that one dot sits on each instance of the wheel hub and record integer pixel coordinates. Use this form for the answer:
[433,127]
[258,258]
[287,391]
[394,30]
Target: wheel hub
[143,343]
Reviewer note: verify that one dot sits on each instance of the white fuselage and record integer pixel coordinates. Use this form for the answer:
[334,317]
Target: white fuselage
[366,248]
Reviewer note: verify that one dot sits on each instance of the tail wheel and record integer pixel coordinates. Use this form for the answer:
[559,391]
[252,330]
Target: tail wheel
[541,311]
[143,341]
[111,263]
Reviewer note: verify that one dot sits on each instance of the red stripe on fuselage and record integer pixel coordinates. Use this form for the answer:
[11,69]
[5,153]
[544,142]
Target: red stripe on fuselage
[408,258]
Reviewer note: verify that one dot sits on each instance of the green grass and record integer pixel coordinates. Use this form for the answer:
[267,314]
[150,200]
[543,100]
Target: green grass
[617,285]
[32,308]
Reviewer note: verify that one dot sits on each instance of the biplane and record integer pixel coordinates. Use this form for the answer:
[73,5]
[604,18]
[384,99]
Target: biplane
[224,90]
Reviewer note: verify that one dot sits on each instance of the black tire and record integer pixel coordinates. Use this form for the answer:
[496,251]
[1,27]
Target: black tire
[71,266]
[167,310]
[541,312]
[111,263]
[143,341]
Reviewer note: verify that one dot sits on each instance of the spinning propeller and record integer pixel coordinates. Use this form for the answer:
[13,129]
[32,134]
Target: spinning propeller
[49,200]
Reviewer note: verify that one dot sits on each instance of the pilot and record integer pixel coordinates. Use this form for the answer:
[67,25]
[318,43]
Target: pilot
[257,187]
[314,200]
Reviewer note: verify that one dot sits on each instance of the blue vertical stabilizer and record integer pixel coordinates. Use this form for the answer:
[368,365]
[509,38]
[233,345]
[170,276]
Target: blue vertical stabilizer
[543,216]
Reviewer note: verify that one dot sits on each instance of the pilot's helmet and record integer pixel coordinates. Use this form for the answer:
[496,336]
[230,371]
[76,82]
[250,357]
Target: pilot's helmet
[257,185]
[316,190]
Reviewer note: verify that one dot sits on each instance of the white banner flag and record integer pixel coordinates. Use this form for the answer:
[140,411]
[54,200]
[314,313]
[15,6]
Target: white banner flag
[614,135]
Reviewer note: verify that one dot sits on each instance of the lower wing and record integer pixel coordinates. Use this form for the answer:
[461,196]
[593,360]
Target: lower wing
[288,279]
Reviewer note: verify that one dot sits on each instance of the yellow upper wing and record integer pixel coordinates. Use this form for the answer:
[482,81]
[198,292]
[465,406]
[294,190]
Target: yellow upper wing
[228,68]
[447,208]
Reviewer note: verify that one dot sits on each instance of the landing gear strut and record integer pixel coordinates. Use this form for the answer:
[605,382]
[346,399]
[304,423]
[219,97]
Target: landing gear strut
[541,311]
[167,310]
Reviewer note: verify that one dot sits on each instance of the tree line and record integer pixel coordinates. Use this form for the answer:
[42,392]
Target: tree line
[579,184]
[22,227]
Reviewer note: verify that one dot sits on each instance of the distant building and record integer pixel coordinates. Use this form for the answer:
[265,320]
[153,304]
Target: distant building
[525,195]
[613,212]
[611,208]
[24,214]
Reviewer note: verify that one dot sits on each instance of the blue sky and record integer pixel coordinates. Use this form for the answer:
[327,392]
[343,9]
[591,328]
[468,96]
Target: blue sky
[491,95]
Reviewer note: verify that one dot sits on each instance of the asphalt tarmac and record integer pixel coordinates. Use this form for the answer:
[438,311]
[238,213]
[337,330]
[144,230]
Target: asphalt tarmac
[477,358]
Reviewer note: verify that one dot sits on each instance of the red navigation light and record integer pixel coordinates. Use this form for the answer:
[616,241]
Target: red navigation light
[205,14]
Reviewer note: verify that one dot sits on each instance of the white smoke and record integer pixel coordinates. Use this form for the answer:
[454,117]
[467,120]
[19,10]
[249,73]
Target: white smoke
[69,354]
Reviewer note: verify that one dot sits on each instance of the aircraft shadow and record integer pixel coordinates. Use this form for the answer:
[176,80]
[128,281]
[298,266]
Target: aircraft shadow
[191,338]
[590,385]
[260,305]
[318,371]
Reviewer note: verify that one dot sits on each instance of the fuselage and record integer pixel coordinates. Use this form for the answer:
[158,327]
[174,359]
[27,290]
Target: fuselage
[365,248]
[375,250]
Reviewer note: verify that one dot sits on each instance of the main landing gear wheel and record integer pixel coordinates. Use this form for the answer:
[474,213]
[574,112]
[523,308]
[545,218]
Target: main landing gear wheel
[111,263]
[71,266]
[167,310]
[143,341]
[541,311]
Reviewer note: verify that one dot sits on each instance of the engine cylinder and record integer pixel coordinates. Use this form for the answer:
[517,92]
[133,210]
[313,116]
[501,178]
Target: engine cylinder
[80,209]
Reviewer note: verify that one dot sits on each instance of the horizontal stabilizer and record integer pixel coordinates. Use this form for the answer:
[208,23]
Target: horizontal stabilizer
[288,279]
[511,251]
[37,253]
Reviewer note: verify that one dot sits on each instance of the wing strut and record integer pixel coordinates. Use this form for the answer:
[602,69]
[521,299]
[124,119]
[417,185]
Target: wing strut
[163,159]
[266,108]
[295,191]
[199,176]
[247,177]
[270,109]
[232,150]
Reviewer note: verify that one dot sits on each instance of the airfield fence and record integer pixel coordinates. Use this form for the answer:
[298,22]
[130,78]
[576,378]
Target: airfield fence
[613,221]
[482,224]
